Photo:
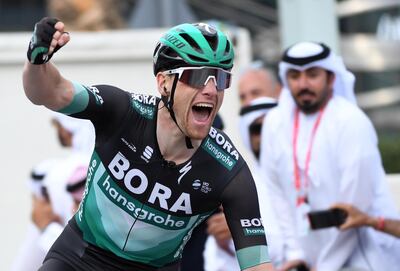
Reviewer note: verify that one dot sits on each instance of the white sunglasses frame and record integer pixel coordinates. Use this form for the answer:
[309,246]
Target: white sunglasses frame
[180,71]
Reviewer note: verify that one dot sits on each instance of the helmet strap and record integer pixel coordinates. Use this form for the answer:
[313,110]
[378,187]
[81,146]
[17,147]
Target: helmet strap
[169,103]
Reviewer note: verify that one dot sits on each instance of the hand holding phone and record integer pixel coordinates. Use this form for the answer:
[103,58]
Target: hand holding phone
[327,218]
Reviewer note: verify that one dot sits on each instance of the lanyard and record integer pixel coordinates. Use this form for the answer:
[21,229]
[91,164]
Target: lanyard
[297,177]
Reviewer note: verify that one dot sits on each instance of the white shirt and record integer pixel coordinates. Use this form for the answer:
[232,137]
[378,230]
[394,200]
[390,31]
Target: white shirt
[36,244]
[217,259]
[345,166]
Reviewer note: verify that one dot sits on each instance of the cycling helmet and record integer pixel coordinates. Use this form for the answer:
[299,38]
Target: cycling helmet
[196,44]
[189,45]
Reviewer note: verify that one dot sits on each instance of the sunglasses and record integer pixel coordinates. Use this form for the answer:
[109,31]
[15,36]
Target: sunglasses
[198,76]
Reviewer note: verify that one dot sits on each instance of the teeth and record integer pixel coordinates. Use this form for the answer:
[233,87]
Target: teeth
[204,105]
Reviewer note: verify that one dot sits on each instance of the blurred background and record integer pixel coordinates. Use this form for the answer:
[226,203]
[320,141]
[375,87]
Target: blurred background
[122,34]
[365,32]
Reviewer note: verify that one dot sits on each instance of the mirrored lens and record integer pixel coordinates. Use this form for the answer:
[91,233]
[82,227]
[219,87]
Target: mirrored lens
[199,77]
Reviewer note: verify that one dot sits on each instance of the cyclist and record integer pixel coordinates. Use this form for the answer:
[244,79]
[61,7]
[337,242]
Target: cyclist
[158,168]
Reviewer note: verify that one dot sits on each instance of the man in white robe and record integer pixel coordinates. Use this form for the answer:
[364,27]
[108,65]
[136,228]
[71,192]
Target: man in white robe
[319,148]
[258,91]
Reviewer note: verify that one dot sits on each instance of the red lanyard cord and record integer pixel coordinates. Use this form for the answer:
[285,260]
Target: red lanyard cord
[297,177]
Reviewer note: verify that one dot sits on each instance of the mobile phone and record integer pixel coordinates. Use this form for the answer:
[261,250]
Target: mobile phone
[327,218]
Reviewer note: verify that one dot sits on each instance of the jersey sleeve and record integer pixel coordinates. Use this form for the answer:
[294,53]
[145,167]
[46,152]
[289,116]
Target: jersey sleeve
[104,105]
[241,208]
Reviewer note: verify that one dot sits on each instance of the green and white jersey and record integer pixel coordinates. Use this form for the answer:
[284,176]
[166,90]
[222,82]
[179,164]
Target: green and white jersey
[142,208]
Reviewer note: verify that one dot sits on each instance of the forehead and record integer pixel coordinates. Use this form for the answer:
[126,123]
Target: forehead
[254,79]
[307,70]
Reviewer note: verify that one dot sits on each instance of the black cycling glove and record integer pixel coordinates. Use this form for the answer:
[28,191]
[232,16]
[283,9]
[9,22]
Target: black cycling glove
[41,40]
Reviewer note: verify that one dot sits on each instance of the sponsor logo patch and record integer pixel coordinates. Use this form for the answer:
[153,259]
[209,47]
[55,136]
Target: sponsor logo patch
[136,181]
[144,105]
[147,153]
[219,154]
[202,186]
[252,226]
[138,210]
[96,93]
[184,170]
[129,145]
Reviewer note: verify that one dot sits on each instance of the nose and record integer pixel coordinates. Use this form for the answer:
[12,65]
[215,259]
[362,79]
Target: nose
[302,81]
[210,88]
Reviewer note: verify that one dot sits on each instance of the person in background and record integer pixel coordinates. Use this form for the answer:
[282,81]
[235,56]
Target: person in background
[257,81]
[258,91]
[356,218]
[87,15]
[319,148]
[44,216]
[51,202]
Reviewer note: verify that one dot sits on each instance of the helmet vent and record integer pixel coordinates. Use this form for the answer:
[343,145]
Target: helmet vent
[155,53]
[227,47]
[198,59]
[212,41]
[169,52]
[191,41]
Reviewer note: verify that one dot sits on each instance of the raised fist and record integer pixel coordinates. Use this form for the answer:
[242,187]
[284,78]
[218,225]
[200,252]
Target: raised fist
[48,36]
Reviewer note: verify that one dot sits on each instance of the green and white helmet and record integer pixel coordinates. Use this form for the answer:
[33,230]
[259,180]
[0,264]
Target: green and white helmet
[196,44]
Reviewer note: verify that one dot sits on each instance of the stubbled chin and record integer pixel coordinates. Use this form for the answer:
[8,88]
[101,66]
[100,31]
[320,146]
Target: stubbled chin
[199,131]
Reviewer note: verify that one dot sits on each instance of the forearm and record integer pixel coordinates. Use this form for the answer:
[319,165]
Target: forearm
[261,267]
[44,85]
[389,226]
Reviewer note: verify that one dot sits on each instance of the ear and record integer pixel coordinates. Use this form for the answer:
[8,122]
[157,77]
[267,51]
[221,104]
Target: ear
[162,81]
[331,79]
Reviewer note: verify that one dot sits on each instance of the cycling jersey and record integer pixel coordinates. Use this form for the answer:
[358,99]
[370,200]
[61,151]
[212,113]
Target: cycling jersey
[143,208]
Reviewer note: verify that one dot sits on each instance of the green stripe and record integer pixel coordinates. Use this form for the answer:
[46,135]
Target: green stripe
[37,51]
[252,256]
[79,102]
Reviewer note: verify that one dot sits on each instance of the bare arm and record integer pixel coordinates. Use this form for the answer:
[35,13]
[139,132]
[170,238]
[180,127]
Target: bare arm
[391,226]
[357,218]
[261,267]
[43,84]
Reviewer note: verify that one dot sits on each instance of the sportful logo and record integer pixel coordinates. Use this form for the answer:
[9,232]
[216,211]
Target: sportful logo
[221,149]
[147,153]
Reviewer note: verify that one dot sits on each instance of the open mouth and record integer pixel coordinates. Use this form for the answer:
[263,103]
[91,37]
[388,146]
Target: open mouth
[202,111]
